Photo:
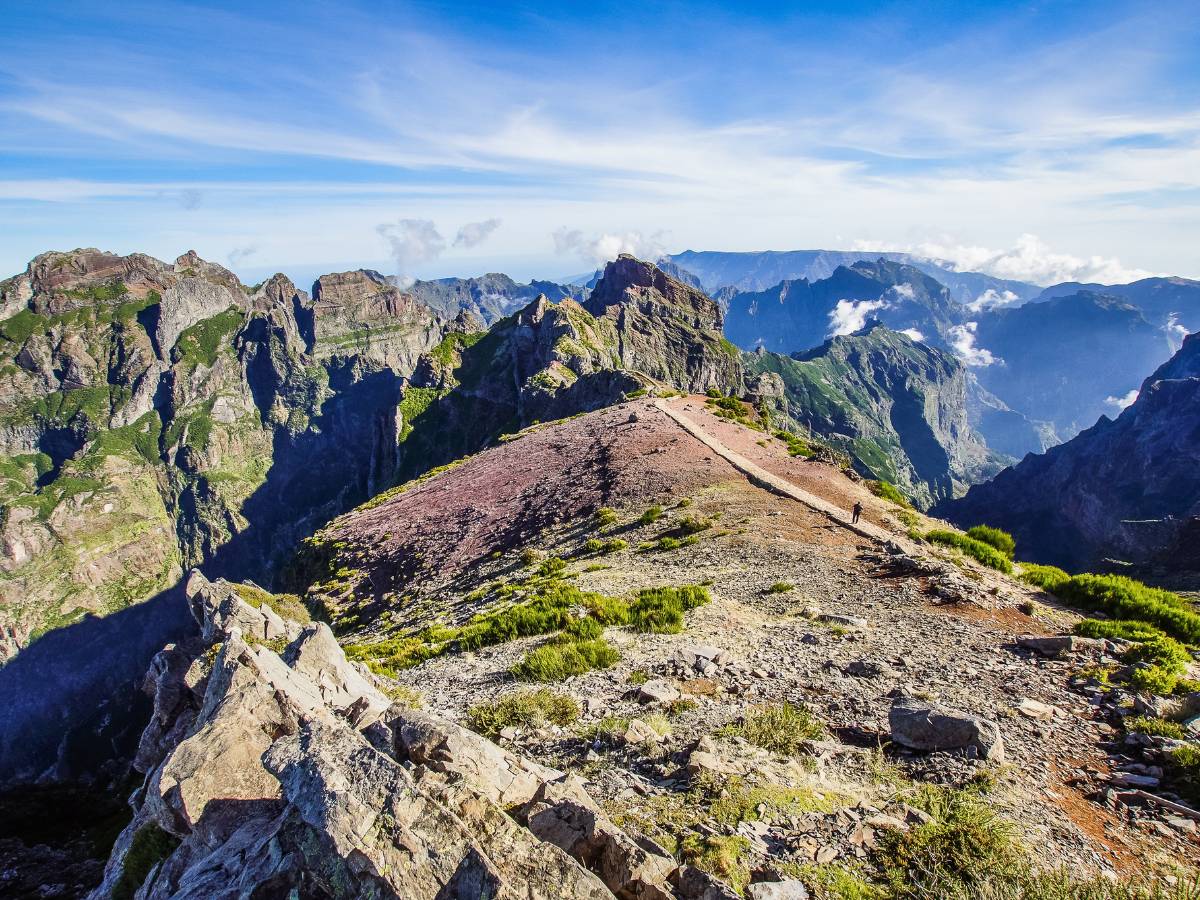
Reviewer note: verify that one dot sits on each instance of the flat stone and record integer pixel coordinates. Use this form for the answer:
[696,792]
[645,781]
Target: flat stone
[657,690]
[1034,709]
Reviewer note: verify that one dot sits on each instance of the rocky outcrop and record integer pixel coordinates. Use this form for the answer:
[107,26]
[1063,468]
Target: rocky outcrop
[265,775]
[1124,490]
[667,330]
[160,415]
[895,406]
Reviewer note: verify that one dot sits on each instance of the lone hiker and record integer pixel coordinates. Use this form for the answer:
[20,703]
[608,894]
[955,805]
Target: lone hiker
[857,512]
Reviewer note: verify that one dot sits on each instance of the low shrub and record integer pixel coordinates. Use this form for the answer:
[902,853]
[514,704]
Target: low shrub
[389,656]
[889,492]
[614,545]
[781,587]
[1152,726]
[583,628]
[606,516]
[1117,629]
[781,728]
[694,524]
[522,709]
[552,567]
[1125,598]
[651,515]
[795,445]
[982,553]
[666,542]
[660,610]
[592,545]
[966,848]
[557,661]
[607,610]
[1001,540]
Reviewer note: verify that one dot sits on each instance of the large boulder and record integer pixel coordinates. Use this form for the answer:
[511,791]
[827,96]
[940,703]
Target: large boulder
[923,725]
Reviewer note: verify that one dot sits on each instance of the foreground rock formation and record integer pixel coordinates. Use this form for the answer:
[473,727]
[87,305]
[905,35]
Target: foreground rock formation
[274,765]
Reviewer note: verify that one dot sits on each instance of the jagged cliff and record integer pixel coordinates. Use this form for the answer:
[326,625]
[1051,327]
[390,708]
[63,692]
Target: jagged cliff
[1124,490]
[157,416]
[898,408]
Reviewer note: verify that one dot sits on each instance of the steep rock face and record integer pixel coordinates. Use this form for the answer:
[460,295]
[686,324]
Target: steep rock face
[156,416]
[898,408]
[798,315]
[1124,489]
[666,329]
[275,767]
[1063,359]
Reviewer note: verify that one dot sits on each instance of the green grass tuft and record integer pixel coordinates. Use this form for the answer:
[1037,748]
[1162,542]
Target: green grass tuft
[522,709]
[781,728]
[1001,540]
[660,610]
[558,661]
[887,491]
[1048,578]
[982,553]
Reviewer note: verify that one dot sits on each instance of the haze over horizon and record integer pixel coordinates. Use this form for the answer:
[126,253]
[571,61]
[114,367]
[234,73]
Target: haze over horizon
[1045,142]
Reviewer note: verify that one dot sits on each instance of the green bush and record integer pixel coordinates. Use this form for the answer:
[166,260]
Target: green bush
[724,857]
[966,848]
[592,545]
[781,728]
[606,516]
[1117,629]
[558,661]
[694,524]
[982,553]
[660,610]
[522,709]
[614,545]
[607,610]
[781,587]
[666,542]
[1124,598]
[552,567]
[651,515]
[583,628]
[1152,726]
[889,492]
[390,656]
[289,606]
[1048,578]
[1001,540]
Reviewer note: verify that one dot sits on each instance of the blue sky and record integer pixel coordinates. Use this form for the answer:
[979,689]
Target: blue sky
[1038,140]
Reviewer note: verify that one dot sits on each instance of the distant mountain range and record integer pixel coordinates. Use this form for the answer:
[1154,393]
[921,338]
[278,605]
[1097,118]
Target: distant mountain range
[758,271]
[1123,492]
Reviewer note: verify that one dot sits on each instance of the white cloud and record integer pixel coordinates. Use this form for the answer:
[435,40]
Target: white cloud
[903,291]
[1029,259]
[475,233]
[1122,402]
[912,334]
[993,299]
[599,249]
[962,340]
[850,316]
[1176,330]
[412,242]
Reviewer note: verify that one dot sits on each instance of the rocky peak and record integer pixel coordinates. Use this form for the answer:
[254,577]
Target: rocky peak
[668,330]
[628,280]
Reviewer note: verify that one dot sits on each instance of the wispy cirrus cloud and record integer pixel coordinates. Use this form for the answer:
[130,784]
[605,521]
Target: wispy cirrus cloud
[1085,128]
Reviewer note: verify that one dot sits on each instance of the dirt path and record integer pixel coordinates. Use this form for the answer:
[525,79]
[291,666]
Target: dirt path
[774,483]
